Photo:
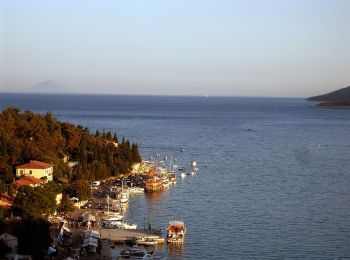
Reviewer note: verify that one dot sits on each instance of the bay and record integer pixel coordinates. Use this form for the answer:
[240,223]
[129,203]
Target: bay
[278,175]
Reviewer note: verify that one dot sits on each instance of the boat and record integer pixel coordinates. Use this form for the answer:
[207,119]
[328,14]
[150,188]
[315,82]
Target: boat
[124,225]
[194,166]
[176,231]
[113,216]
[183,175]
[153,183]
[148,241]
[192,173]
[172,178]
[124,196]
[134,252]
[165,181]
[136,190]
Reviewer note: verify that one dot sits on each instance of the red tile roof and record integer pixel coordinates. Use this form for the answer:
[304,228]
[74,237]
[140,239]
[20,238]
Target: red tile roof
[27,180]
[5,200]
[35,165]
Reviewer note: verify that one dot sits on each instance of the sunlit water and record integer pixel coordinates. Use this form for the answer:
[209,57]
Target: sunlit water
[278,176]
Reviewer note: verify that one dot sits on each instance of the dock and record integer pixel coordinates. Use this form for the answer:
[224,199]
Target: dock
[124,235]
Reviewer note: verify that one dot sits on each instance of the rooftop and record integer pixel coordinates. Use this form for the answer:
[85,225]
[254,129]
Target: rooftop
[35,165]
[27,180]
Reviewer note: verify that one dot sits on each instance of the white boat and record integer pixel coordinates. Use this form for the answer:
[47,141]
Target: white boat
[124,225]
[136,190]
[176,231]
[147,241]
[183,175]
[113,216]
[124,197]
[134,252]
[192,173]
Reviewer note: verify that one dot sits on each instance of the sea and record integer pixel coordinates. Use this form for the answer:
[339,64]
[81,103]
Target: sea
[277,181]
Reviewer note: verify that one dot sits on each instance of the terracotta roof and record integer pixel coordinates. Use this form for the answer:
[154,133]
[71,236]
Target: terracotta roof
[5,199]
[27,180]
[35,165]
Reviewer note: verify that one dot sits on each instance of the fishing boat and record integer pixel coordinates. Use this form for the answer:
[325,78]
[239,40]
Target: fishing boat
[176,232]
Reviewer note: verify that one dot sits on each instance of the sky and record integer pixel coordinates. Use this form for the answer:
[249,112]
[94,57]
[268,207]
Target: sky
[294,48]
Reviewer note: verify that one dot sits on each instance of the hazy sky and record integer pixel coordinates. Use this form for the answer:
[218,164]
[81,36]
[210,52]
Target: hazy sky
[189,47]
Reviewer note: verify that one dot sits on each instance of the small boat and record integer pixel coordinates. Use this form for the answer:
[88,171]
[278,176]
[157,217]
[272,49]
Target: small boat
[136,190]
[125,225]
[124,197]
[182,175]
[182,149]
[176,231]
[134,252]
[192,173]
[172,178]
[147,241]
[113,216]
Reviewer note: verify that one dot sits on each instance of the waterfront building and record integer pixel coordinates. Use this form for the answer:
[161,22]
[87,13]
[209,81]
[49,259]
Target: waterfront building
[36,169]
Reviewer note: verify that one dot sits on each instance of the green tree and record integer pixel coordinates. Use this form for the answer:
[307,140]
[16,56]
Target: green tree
[135,153]
[115,137]
[66,205]
[80,189]
[34,203]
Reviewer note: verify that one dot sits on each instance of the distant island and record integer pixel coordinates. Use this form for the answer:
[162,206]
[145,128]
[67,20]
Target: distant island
[336,99]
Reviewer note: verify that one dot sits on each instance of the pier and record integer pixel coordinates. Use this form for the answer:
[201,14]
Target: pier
[123,235]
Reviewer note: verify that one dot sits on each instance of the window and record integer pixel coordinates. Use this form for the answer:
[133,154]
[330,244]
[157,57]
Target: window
[21,172]
[30,172]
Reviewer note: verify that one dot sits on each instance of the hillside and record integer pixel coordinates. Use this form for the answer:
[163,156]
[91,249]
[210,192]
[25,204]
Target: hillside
[28,136]
[338,95]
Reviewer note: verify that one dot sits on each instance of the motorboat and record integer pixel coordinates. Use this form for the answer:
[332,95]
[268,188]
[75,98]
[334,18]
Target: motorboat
[176,231]
[147,241]
[183,175]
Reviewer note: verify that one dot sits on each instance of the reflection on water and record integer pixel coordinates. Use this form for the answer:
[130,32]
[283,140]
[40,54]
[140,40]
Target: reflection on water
[176,251]
[152,197]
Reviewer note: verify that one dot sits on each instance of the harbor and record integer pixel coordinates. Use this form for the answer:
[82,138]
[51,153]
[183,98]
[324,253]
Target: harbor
[100,228]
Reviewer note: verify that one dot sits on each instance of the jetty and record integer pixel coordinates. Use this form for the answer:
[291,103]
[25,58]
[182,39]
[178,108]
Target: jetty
[124,235]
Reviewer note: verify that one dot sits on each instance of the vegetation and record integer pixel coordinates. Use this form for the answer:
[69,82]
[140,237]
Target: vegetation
[338,95]
[27,136]
[34,203]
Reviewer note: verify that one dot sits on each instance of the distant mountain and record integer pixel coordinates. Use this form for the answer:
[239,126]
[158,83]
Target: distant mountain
[338,95]
[48,86]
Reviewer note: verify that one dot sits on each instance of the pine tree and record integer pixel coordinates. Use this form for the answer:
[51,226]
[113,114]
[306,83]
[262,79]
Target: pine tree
[115,137]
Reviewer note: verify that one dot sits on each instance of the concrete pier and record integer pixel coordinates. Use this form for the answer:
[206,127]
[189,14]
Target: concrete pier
[121,235]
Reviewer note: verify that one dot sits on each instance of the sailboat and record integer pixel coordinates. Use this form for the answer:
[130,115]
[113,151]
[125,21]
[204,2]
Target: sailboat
[124,195]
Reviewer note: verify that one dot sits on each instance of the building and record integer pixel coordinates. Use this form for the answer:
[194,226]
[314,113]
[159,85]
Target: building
[5,201]
[28,180]
[36,169]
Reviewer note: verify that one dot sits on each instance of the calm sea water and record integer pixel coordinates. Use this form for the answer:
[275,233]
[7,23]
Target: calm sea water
[277,184]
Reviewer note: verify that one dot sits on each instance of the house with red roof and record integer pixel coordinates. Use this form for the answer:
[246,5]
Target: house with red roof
[5,200]
[28,180]
[36,169]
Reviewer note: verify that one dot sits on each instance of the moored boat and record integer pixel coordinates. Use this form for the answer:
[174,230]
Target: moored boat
[134,252]
[176,231]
